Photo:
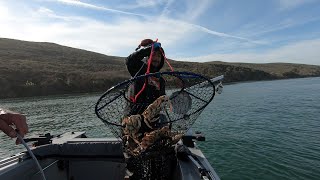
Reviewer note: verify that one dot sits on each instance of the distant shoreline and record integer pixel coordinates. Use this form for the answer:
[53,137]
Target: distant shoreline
[238,82]
[101,92]
[39,69]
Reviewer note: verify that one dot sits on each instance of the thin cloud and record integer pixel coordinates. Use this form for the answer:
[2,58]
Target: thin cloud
[195,26]
[291,4]
[203,29]
[193,11]
[4,12]
[289,53]
[286,25]
[43,11]
[142,4]
[196,8]
[99,36]
[166,8]
[101,8]
[85,33]
[20,21]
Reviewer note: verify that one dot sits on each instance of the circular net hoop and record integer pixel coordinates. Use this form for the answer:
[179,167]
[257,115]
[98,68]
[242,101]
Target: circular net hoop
[189,94]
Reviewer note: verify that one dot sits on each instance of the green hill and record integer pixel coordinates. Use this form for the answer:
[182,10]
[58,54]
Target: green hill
[41,68]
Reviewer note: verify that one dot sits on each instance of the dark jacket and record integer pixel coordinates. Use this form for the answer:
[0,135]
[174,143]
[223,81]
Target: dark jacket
[134,62]
[155,86]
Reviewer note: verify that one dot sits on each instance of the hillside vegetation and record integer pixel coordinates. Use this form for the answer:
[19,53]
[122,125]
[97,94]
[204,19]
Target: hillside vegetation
[40,68]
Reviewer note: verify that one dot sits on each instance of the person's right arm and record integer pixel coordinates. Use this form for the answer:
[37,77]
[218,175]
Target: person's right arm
[134,61]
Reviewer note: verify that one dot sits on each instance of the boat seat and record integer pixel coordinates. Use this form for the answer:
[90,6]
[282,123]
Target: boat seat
[81,148]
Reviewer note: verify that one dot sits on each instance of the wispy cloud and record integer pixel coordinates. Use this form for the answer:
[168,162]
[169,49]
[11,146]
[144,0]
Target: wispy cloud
[84,33]
[101,8]
[166,9]
[285,24]
[45,12]
[288,53]
[177,28]
[4,12]
[194,26]
[195,8]
[142,4]
[203,29]
[291,4]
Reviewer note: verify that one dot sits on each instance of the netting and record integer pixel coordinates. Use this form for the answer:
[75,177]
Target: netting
[189,94]
[157,164]
[149,127]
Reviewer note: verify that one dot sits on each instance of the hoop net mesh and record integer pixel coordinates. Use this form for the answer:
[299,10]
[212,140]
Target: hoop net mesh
[189,94]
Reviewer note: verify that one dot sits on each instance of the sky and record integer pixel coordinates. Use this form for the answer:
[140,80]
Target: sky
[250,31]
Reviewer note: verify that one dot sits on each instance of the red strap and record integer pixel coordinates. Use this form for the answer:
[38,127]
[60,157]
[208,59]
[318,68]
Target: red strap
[166,60]
[148,70]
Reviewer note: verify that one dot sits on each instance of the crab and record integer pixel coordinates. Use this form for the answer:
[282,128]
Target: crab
[132,124]
[149,115]
[150,138]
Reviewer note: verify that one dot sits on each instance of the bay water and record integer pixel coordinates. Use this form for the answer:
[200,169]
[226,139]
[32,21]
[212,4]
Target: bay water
[256,130]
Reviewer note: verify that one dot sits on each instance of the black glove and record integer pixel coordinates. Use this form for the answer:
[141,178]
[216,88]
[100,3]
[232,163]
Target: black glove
[146,51]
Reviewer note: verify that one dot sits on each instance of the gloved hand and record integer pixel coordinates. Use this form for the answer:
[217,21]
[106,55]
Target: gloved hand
[147,49]
[156,45]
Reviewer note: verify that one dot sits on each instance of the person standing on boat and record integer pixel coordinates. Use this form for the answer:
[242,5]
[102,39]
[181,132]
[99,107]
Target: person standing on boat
[10,120]
[148,58]
[138,64]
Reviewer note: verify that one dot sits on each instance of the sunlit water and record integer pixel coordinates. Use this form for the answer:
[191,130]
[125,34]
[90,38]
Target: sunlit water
[258,130]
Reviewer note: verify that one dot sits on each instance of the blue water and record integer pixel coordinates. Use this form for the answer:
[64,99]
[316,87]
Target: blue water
[258,130]
[265,130]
